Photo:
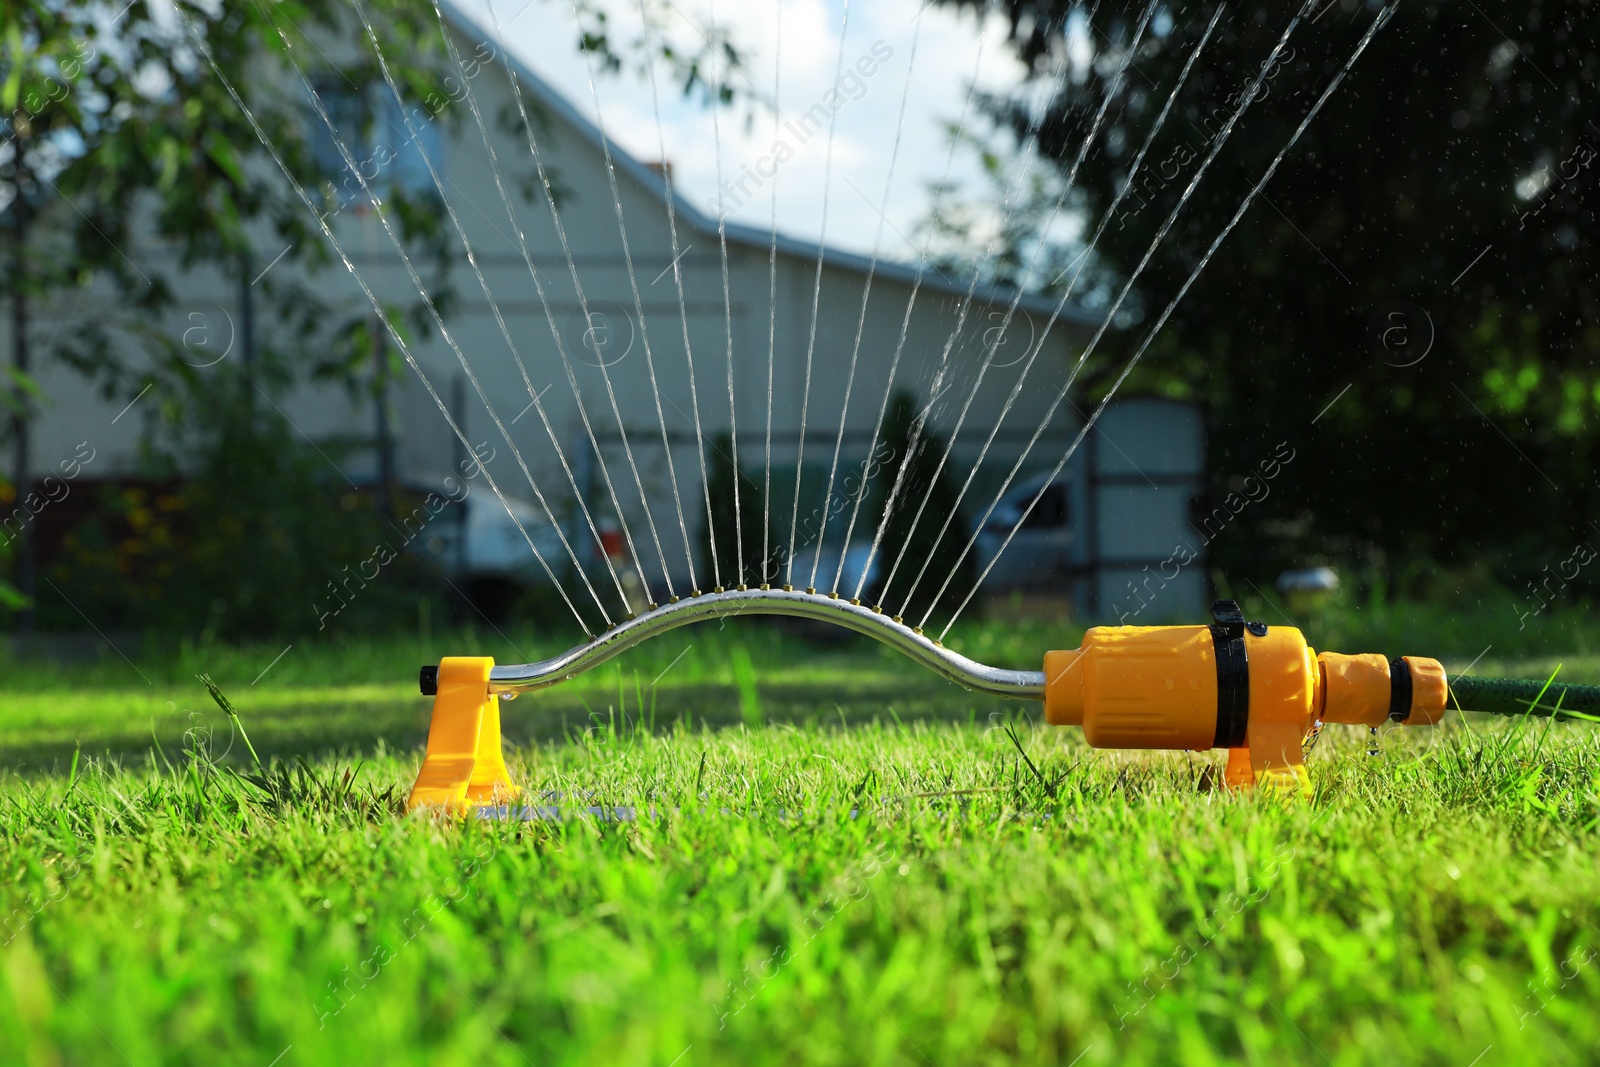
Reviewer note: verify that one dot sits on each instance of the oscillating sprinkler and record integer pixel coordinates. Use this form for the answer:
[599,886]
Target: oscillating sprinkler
[1253,689]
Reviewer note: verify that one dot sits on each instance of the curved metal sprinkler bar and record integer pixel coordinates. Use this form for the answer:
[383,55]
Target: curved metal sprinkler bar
[1255,718]
[512,679]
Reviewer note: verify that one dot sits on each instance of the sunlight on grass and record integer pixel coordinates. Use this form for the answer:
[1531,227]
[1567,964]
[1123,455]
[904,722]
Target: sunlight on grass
[697,885]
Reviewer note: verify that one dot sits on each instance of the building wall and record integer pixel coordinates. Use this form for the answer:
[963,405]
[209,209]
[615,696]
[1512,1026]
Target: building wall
[1148,470]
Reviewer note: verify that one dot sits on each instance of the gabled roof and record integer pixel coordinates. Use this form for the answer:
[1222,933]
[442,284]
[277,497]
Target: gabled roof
[739,233]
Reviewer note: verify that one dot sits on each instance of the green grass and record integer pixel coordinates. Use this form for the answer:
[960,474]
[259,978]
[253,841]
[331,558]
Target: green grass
[1439,903]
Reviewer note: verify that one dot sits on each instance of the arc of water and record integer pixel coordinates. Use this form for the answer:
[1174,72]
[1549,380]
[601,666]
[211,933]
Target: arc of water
[535,400]
[816,296]
[414,132]
[405,349]
[571,375]
[1082,260]
[1016,300]
[627,252]
[936,388]
[1378,22]
[861,325]
[905,326]
[727,320]
[417,282]
[913,448]
[461,231]
[688,347]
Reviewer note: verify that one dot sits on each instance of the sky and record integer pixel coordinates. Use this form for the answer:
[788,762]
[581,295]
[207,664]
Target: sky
[901,54]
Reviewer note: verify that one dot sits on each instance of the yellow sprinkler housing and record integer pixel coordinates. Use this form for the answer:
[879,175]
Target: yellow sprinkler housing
[1250,688]
[465,765]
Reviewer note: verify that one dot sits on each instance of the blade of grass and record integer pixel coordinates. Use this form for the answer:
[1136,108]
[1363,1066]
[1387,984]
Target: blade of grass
[227,706]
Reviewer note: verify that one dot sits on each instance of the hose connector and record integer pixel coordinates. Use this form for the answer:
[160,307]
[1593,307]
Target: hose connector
[1367,690]
[1241,685]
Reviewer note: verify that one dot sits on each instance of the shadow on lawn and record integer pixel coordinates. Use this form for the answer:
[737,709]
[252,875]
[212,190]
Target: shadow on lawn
[280,727]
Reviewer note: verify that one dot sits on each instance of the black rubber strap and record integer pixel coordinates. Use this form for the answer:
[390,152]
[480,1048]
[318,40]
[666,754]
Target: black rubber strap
[429,679]
[1399,690]
[1233,675]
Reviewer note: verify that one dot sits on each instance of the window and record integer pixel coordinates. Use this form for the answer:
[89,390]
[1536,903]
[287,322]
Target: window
[1050,513]
[379,137]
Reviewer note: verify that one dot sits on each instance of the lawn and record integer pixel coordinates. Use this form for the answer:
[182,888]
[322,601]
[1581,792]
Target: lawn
[750,848]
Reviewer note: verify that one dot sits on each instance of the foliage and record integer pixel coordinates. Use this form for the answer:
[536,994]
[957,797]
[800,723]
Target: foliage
[917,509]
[1009,235]
[1455,169]
[141,144]
[102,115]
[800,893]
[10,597]
[136,112]
[262,536]
[751,509]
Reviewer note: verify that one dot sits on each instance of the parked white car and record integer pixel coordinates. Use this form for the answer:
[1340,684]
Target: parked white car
[1040,543]
[494,547]
[855,564]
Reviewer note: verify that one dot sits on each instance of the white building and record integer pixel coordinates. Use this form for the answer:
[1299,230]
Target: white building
[611,365]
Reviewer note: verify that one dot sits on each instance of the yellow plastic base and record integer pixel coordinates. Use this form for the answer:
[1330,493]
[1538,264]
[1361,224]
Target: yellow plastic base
[465,765]
[1288,780]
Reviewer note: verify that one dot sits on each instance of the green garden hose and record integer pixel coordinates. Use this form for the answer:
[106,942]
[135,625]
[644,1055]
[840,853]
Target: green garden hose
[1515,696]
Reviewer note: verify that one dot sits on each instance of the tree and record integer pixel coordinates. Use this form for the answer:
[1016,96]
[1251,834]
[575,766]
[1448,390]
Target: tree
[1446,193]
[140,125]
[721,473]
[918,497]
